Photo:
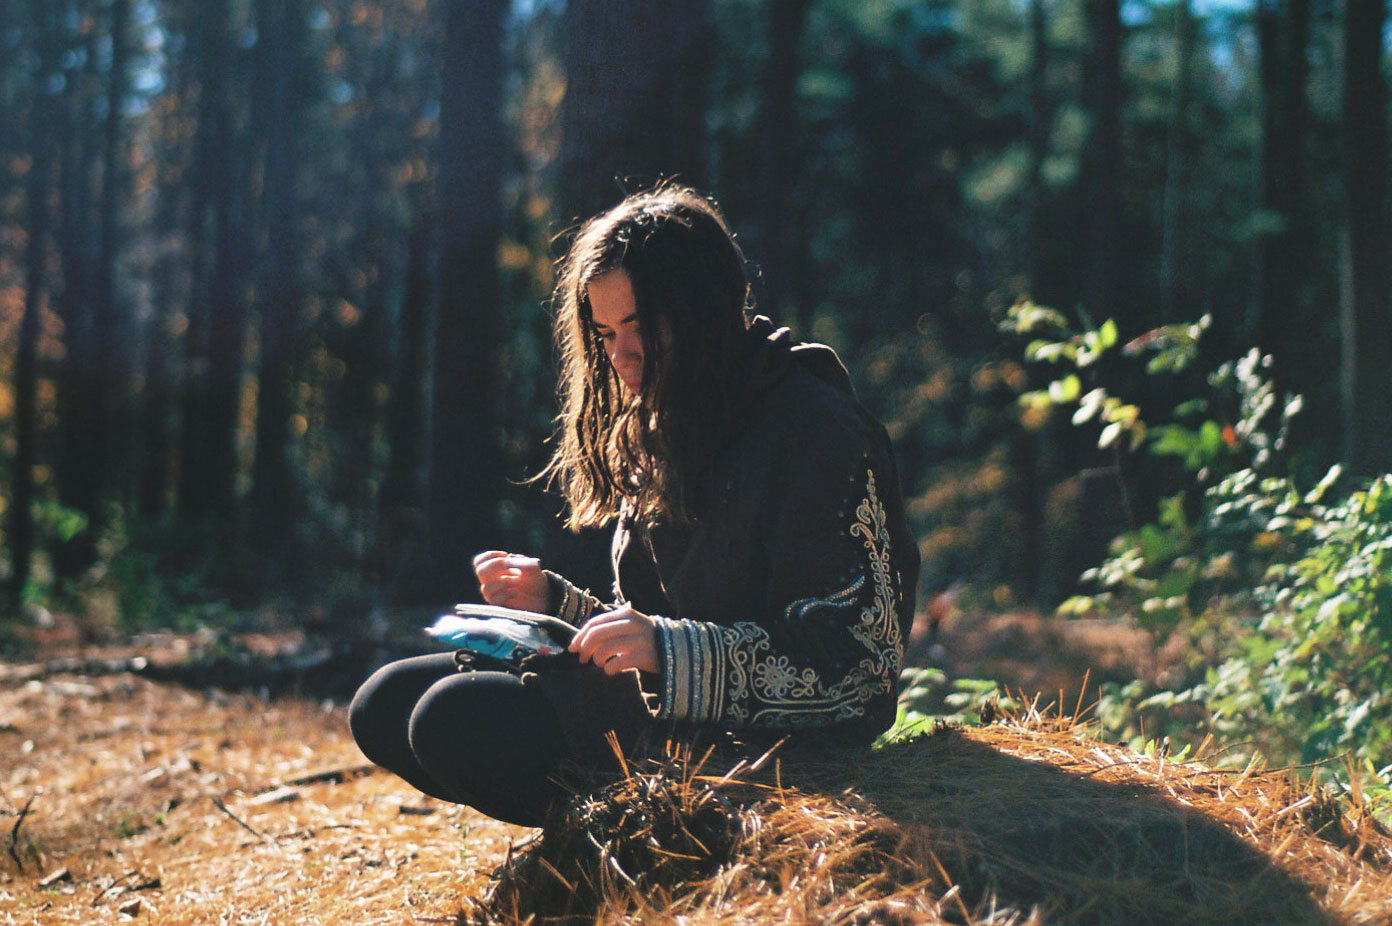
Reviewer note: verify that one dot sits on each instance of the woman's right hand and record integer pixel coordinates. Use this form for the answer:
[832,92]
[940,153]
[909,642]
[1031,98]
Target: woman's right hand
[512,581]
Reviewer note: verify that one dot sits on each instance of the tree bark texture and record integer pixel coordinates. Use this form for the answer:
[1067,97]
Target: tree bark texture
[1366,306]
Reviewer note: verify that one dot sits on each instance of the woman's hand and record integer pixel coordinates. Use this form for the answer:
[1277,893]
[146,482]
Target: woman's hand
[618,640]
[512,581]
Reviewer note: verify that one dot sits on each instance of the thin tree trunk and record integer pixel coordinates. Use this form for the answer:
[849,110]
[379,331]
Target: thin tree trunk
[1033,450]
[1104,273]
[79,474]
[1280,320]
[466,461]
[1040,123]
[403,498]
[1365,305]
[20,528]
[779,159]
[1173,272]
[273,493]
[212,150]
[113,338]
[158,406]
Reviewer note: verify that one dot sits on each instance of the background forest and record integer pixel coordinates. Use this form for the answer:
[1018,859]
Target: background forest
[274,274]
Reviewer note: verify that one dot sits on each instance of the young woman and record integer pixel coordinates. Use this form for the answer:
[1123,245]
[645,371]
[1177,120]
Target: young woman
[764,574]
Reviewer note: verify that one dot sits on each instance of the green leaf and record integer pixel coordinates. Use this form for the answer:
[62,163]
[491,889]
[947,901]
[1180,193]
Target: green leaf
[1065,390]
[1107,334]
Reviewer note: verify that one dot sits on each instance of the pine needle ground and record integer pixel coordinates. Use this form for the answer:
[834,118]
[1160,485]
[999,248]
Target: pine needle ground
[1026,821]
[126,800]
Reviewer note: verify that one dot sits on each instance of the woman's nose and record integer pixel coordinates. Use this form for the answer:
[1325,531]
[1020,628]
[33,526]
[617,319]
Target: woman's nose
[627,346]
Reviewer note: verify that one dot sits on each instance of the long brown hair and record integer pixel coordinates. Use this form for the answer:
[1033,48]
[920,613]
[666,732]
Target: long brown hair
[690,282]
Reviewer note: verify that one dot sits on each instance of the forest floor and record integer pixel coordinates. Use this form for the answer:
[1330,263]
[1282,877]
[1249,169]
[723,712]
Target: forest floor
[124,798]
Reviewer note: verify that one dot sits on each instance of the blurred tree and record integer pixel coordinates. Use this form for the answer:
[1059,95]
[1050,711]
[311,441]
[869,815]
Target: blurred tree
[1176,291]
[777,242]
[636,97]
[1106,268]
[1366,304]
[110,447]
[172,153]
[281,95]
[466,478]
[403,499]
[80,472]
[215,333]
[20,533]
[1039,122]
[1282,318]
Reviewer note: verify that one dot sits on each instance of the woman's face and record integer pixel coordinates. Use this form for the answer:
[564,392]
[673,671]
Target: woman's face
[614,315]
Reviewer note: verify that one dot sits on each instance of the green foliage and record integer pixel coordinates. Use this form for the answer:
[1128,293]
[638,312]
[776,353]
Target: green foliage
[1286,594]
[927,697]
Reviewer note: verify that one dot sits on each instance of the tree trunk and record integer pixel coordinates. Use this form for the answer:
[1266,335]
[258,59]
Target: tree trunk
[214,342]
[1176,293]
[158,405]
[634,108]
[109,440]
[79,467]
[1281,320]
[401,535]
[779,128]
[1040,124]
[1104,272]
[466,477]
[20,528]
[273,495]
[1365,305]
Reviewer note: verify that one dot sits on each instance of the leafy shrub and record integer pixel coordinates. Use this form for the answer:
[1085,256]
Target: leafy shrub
[1285,595]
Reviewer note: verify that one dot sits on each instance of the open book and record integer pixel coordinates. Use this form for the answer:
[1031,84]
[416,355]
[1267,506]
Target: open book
[502,633]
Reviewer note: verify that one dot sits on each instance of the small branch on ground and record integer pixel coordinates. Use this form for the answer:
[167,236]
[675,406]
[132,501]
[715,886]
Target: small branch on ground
[336,775]
[240,822]
[14,833]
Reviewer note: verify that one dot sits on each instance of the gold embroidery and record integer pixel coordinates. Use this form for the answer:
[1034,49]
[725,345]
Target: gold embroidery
[779,693]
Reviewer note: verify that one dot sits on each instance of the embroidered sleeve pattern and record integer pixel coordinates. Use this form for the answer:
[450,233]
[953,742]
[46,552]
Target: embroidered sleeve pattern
[569,602]
[781,676]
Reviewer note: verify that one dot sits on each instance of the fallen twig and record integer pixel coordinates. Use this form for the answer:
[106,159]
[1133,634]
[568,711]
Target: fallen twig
[240,822]
[14,833]
[337,775]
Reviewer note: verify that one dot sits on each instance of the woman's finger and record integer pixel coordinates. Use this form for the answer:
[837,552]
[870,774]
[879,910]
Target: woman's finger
[488,555]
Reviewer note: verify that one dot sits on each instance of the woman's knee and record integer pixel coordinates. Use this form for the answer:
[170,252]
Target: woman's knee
[381,708]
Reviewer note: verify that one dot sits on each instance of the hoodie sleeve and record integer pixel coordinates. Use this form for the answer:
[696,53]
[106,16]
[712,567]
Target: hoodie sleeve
[570,602]
[827,645]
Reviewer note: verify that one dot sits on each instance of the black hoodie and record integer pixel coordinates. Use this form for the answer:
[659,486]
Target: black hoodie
[786,604]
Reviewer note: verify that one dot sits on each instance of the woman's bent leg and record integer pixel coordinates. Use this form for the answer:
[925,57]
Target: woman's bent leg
[380,716]
[492,743]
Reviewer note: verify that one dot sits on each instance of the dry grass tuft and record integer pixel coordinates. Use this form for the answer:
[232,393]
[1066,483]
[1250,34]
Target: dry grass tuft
[1029,821]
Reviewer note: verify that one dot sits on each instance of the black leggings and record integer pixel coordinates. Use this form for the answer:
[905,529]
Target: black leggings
[477,738]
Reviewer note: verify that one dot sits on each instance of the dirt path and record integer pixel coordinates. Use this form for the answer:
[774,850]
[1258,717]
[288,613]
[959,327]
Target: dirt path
[178,807]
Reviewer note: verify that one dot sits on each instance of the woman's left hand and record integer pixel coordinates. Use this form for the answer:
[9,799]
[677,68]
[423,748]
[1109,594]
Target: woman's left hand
[618,640]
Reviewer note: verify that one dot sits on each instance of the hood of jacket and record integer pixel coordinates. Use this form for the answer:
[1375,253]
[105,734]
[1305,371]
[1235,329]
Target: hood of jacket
[773,352]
